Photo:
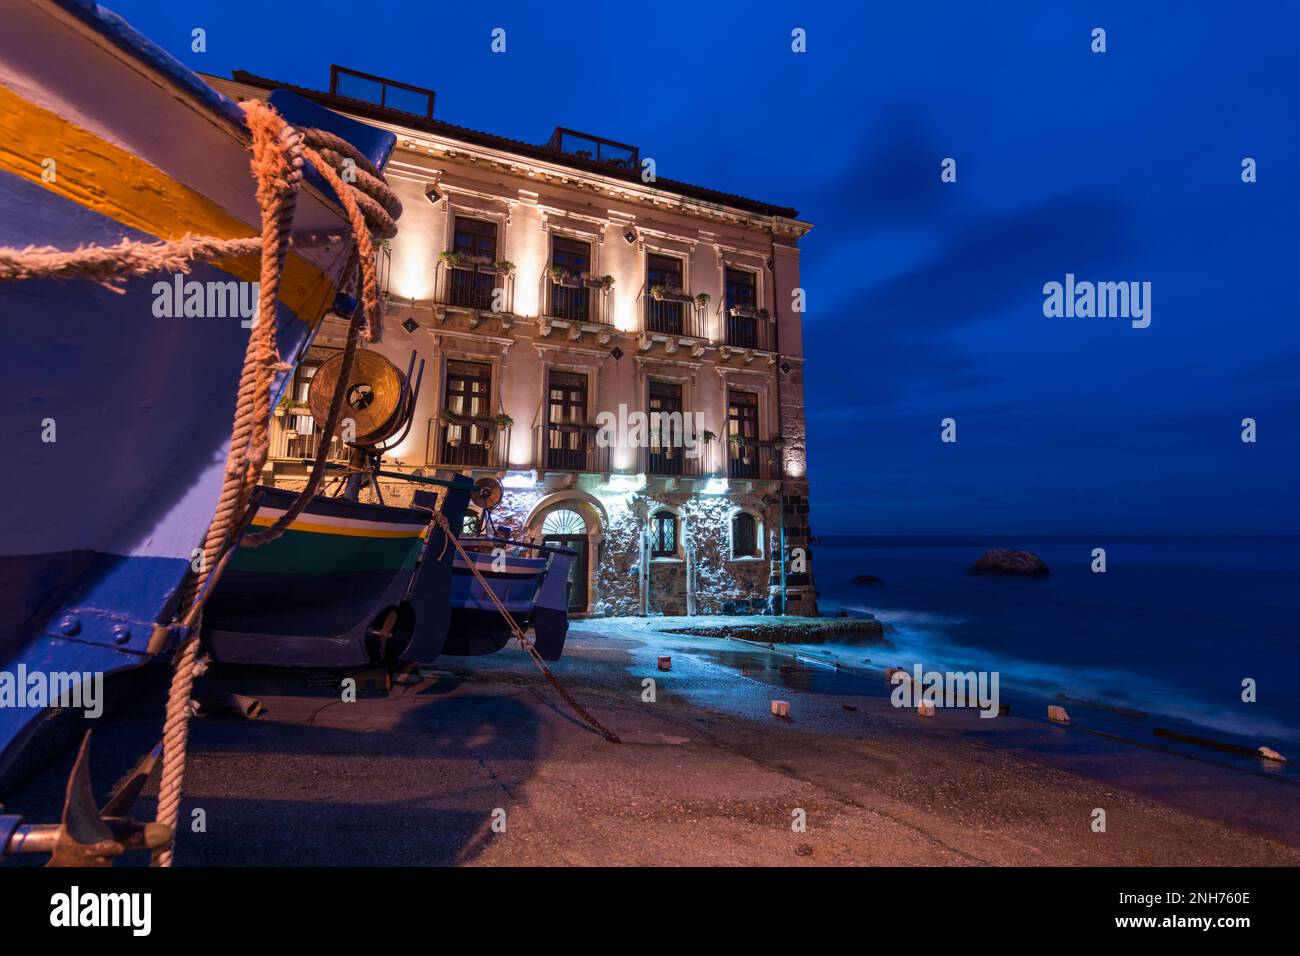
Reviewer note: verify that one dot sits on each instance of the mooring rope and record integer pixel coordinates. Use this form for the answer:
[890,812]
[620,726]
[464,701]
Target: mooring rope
[278,153]
[518,632]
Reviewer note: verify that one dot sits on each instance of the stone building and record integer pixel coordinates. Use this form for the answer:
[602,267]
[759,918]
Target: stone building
[553,288]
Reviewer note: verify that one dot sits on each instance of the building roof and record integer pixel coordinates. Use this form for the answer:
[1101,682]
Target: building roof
[493,141]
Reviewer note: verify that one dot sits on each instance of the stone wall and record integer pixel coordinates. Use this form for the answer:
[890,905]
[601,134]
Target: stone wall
[722,585]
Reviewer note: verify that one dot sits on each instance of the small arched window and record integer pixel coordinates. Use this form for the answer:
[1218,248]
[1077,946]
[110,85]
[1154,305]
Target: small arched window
[744,535]
[663,535]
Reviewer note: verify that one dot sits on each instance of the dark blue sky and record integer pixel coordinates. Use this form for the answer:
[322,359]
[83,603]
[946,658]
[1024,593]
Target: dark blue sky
[925,299]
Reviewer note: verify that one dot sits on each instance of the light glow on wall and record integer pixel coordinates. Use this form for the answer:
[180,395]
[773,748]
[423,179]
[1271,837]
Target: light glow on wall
[520,479]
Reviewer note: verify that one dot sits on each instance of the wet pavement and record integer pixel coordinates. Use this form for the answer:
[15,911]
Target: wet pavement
[425,773]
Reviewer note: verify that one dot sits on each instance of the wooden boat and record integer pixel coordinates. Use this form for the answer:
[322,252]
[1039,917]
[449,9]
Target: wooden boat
[339,587]
[534,590]
[115,420]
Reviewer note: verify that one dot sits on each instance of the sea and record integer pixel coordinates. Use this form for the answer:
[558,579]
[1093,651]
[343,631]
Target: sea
[1174,626]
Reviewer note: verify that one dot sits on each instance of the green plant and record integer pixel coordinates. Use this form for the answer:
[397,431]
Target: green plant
[504,421]
[450,255]
[736,439]
[555,272]
[607,281]
[505,265]
[703,299]
[446,416]
[708,436]
[659,291]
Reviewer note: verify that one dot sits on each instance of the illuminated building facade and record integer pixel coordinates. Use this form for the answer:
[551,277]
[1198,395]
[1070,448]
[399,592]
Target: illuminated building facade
[552,289]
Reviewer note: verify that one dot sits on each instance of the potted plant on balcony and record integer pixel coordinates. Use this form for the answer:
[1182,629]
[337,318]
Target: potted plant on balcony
[708,436]
[451,257]
[658,292]
[503,421]
[703,299]
[562,277]
[607,282]
[502,267]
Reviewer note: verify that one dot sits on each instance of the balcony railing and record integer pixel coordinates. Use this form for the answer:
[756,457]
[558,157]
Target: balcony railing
[476,443]
[674,461]
[675,316]
[473,285]
[753,461]
[577,300]
[295,437]
[748,329]
[572,448]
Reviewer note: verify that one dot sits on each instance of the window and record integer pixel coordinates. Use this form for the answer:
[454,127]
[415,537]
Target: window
[745,330]
[570,302]
[663,315]
[467,286]
[744,535]
[566,413]
[665,271]
[476,238]
[666,420]
[742,430]
[663,535]
[470,438]
[741,292]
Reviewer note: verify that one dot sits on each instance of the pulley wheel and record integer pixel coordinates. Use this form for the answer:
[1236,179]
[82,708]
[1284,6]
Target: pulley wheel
[376,398]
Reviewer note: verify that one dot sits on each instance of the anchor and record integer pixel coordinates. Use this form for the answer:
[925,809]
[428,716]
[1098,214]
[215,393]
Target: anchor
[86,835]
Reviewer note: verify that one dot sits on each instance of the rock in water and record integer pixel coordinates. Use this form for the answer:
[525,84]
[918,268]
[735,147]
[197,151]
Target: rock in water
[868,579]
[1002,561]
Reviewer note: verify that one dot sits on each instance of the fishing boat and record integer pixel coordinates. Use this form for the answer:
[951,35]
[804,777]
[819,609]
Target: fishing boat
[335,590]
[119,385]
[530,581]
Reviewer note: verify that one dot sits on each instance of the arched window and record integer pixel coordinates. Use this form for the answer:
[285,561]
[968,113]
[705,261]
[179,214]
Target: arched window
[563,521]
[663,535]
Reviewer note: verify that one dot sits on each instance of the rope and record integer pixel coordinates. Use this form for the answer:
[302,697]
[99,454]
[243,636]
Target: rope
[277,165]
[110,265]
[372,311]
[518,632]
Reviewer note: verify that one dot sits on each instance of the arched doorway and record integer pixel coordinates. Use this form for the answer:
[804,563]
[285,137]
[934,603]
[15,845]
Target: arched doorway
[565,528]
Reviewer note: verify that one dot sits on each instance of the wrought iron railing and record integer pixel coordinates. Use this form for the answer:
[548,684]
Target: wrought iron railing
[474,443]
[674,316]
[748,329]
[576,300]
[295,436]
[673,460]
[478,286]
[573,448]
[754,461]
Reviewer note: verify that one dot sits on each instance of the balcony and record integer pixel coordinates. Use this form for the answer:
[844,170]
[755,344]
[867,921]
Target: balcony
[595,150]
[295,437]
[672,462]
[749,329]
[671,317]
[466,443]
[582,299]
[572,448]
[753,461]
[475,286]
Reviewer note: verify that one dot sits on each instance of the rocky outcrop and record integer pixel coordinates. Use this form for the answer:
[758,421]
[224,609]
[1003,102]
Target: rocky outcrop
[867,580]
[784,630]
[1010,563]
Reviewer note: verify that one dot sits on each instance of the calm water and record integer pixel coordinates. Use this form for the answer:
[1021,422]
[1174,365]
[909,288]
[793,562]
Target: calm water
[1172,627]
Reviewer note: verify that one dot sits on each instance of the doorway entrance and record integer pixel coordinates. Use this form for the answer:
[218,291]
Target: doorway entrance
[563,528]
